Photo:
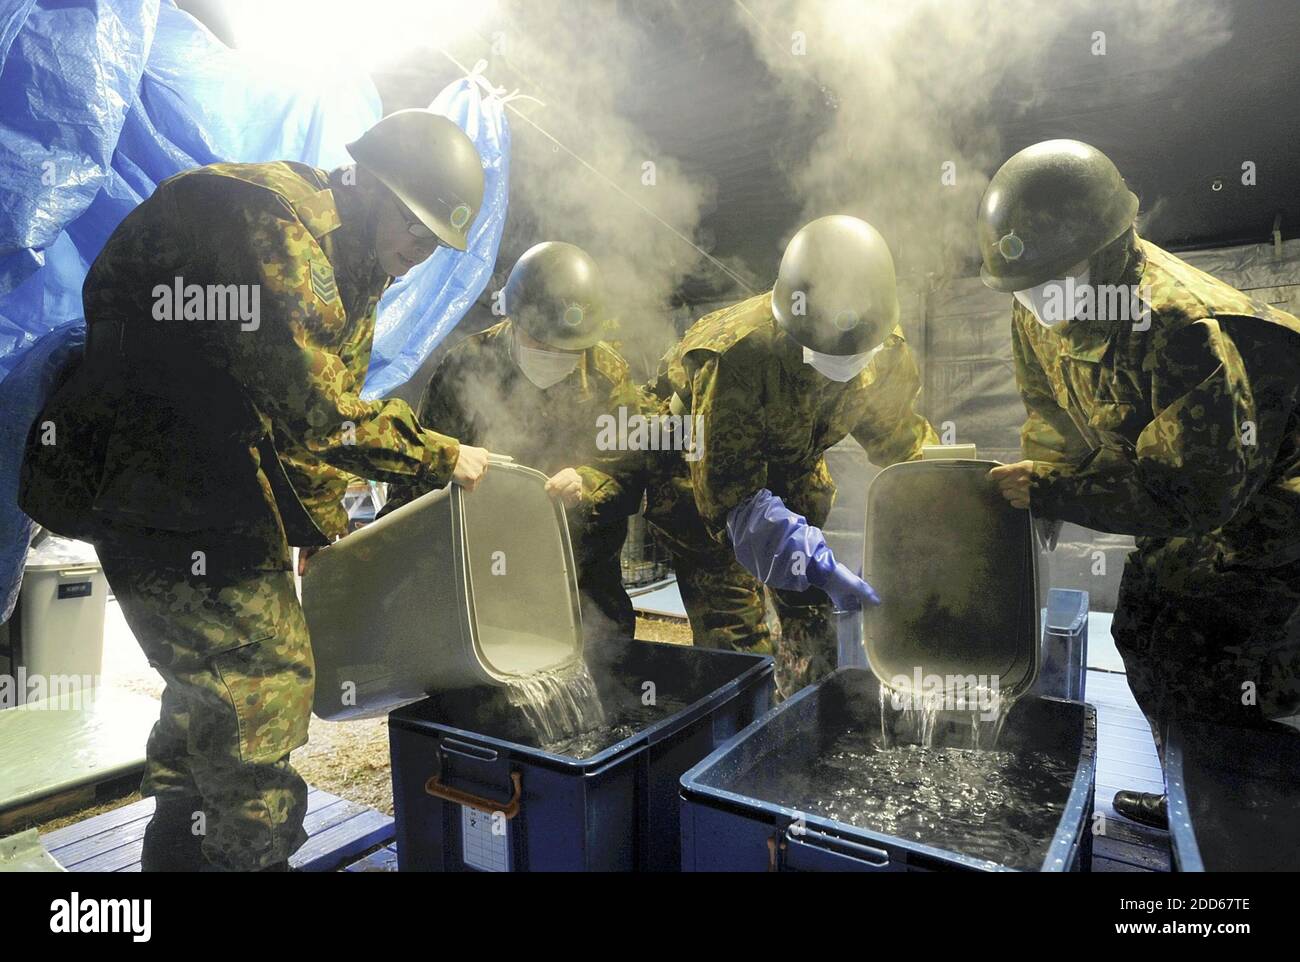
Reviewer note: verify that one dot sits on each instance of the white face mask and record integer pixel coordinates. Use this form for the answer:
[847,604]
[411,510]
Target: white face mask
[1055,302]
[839,367]
[545,368]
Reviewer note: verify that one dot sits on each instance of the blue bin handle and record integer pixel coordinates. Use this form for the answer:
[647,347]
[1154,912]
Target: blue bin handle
[866,856]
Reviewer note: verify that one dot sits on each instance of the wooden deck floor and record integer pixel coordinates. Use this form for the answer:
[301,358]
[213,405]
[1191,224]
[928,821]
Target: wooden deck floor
[1126,758]
[338,831]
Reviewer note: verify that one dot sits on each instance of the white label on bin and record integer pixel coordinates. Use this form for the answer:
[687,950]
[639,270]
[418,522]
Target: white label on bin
[484,849]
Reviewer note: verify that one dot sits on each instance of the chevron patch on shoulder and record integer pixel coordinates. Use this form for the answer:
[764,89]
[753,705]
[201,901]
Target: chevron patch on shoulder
[322,282]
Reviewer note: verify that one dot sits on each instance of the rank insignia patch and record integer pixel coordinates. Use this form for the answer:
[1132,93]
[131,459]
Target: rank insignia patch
[323,283]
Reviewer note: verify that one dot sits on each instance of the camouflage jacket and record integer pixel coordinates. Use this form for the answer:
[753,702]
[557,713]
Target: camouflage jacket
[765,419]
[1183,431]
[479,395]
[230,320]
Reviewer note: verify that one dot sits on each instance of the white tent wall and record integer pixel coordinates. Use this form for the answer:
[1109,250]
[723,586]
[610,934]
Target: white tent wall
[969,385]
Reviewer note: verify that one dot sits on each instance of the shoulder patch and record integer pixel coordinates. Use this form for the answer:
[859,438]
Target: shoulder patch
[718,331]
[319,213]
[322,281]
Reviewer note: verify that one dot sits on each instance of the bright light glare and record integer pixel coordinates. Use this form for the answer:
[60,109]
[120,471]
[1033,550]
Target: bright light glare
[320,35]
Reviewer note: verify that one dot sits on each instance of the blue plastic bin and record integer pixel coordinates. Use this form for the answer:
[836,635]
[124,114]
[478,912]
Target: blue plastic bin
[1063,666]
[723,830]
[1234,798]
[500,804]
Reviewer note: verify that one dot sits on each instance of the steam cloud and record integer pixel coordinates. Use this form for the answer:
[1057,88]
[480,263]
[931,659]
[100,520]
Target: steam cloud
[890,91]
[574,57]
[911,86]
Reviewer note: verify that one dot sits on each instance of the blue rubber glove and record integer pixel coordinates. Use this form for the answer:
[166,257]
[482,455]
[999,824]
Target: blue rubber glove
[781,549]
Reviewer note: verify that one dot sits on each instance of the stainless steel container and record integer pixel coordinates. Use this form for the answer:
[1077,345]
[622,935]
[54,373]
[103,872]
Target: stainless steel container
[956,568]
[452,590]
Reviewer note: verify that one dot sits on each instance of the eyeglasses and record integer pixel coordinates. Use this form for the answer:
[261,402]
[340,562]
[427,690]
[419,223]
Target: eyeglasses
[413,226]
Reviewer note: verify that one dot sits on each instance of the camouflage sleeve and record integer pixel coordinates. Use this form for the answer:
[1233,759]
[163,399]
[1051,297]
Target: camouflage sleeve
[439,406]
[291,373]
[1048,434]
[892,431]
[1208,449]
[614,481]
[727,400]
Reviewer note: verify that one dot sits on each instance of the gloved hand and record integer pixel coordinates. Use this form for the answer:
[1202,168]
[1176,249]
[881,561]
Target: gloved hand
[783,550]
[847,591]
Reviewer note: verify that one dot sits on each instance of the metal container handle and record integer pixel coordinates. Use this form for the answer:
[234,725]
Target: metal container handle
[488,806]
[877,857]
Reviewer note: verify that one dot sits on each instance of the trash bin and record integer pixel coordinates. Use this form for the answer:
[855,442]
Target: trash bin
[56,633]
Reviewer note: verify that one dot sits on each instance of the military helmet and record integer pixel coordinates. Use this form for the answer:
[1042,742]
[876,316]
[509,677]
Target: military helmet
[1048,208]
[835,292]
[432,167]
[556,294]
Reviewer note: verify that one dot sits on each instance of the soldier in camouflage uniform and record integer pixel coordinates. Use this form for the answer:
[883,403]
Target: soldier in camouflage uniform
[536,387]
[773,382]
[197,441]
[1168,411]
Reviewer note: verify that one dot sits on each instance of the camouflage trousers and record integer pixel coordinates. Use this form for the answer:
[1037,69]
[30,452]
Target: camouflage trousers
[606,607]
[1230,654]
[726,608]
[233,650]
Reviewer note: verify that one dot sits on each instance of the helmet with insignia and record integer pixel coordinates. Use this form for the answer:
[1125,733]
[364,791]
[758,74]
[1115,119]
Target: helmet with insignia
[1048,208]
[835,292]
[432,167]
[556,294]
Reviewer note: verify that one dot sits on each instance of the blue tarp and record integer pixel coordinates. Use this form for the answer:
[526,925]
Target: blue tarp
[100,100]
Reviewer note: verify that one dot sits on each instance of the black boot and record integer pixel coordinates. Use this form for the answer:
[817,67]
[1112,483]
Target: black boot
[1145,808]
[170,844]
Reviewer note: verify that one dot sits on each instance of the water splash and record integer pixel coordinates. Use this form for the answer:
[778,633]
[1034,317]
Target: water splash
[560,704]
[912,718]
